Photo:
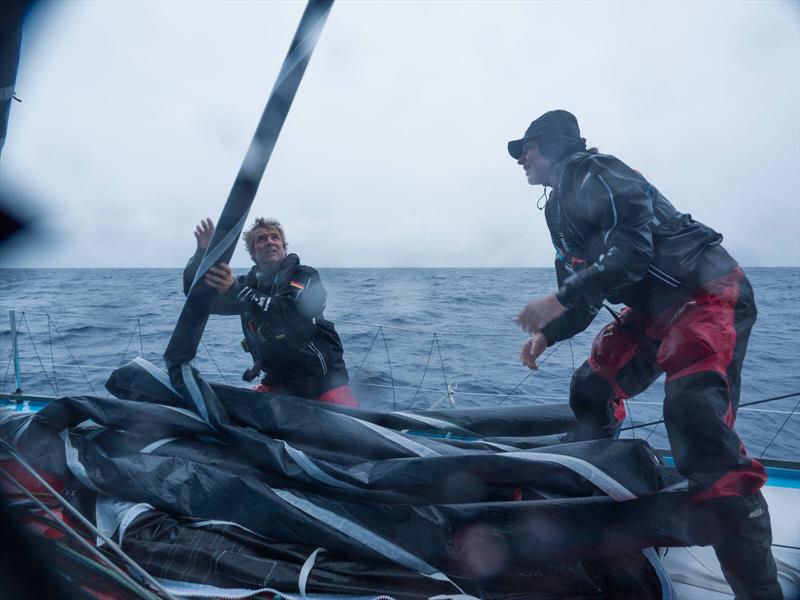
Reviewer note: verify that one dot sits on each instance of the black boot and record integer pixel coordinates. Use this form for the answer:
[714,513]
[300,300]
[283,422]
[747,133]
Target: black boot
[743,544]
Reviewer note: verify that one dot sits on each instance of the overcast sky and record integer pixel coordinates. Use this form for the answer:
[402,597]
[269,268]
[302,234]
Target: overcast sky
[136,116]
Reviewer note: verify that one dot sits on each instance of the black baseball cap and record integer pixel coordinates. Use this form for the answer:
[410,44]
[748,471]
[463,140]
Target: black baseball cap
[555,124]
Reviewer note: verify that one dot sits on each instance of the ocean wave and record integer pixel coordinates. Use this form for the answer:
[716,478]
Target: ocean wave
[87,329]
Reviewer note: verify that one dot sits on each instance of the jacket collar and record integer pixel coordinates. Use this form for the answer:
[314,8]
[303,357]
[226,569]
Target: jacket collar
[256,276]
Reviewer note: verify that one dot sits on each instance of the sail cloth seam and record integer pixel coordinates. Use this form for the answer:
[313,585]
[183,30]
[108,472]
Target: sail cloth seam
[185,412]
[75,465]
[194,391]
[502,447]
[157,373]
[588,471]
[156,445]
[9,416]
[308,466]
[21,431]
[463,440]
[212,522]
[366,537]
[397,438]
[437,423]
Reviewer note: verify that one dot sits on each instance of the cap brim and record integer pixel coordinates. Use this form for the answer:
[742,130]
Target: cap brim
[515,148]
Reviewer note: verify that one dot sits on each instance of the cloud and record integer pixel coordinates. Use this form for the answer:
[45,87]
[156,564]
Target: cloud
[136,118]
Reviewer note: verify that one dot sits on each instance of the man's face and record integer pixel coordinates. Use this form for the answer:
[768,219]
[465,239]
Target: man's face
[537,167]
[268,248]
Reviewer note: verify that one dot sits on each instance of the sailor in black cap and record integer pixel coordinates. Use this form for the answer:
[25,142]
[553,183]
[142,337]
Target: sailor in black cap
[689,311]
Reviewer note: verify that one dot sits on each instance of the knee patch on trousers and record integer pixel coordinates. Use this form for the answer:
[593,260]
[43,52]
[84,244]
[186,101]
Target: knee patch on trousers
[590,395]
[702,339]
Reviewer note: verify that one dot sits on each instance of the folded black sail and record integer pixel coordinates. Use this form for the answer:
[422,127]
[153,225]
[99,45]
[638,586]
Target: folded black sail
[400,506]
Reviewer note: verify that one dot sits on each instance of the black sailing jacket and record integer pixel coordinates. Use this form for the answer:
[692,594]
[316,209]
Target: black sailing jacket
[283,323]
[618,239]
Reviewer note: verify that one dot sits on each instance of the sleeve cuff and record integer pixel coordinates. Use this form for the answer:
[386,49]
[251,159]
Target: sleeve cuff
[579,290]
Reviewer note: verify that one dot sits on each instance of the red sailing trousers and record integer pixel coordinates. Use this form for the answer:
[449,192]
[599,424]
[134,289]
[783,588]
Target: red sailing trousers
[700,345]
[340,395]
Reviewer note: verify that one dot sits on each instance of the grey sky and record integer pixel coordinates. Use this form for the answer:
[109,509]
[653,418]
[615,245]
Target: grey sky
[136,116]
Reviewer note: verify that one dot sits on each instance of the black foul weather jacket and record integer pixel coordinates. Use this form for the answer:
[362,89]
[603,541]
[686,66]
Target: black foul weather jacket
[284,327]
[618,239]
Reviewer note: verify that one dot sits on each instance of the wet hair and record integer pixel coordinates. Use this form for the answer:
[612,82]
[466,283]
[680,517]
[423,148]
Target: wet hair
[557,148]
[249,236]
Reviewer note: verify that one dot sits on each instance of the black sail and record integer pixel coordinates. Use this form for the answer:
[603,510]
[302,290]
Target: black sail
[188,331]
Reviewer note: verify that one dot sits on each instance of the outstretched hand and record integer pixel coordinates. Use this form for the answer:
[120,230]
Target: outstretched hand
[532,350]
[220,278]
[538,313]
[203,233]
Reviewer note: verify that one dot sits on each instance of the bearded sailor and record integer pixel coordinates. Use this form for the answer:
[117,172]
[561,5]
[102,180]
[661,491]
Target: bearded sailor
[280,303]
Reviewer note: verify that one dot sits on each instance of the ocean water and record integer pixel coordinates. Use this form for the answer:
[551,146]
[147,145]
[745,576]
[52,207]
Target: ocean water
[407,333]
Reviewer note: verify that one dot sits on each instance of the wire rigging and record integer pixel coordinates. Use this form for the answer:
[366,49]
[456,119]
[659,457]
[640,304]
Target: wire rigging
[130,339]
[441,362]
[225,379]
[753,403]
[52,358]
[391,374]
[774,437]
[363,360]
[74,360]
[427,363]
[8,368]
[44,370]
[544,360]
[141,343]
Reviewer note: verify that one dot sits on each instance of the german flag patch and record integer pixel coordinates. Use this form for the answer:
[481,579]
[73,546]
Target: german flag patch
[297,284]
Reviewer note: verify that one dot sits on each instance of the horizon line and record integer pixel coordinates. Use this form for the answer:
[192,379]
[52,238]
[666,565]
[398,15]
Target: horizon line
[4,267]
